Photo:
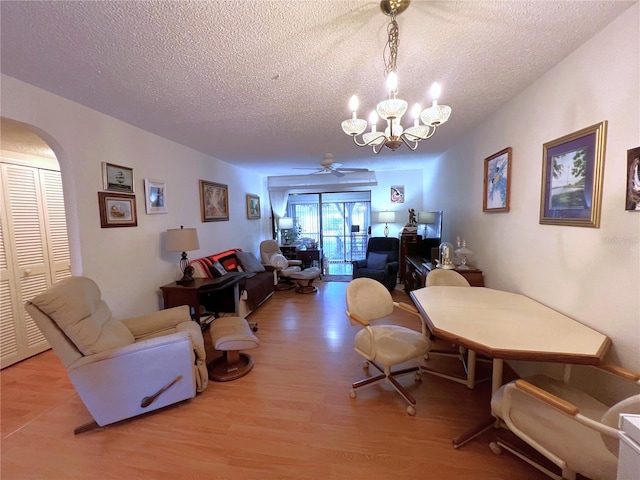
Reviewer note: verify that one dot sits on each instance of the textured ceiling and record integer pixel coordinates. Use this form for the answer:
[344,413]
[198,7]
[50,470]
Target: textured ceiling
[265,84]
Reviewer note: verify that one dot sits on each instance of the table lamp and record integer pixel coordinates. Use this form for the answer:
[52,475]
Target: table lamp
[183,240]
[386,218]
[426,218]
[285,224]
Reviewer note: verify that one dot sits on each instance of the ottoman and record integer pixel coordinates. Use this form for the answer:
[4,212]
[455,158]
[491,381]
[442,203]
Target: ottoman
[230,335]
[305,278]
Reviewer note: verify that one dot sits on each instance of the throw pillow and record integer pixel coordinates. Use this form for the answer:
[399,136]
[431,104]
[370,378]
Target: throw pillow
[376,261]
[249,262]
[217,270]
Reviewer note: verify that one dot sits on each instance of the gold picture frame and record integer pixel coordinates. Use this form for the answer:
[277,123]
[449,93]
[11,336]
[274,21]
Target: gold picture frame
[497,182]
[117,210]
[572,178]
[253,207]
[214,201]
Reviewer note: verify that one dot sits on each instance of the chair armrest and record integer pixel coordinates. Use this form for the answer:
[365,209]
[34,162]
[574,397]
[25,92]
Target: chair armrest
[150,323]
[152,346]
[554,402]
[619,371]
[359,263]
[391,267]
[548,398]
[358,319]
[412,309]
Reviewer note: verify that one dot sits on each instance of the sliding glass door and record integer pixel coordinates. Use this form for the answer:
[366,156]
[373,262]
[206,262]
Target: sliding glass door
[338,222]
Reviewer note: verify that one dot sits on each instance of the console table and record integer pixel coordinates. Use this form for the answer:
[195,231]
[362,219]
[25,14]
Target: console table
[417,269]
[309,256]
[289,251]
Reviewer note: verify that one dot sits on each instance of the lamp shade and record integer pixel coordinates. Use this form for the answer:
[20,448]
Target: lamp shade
[182,239]
[387,217]
[285,223]
[427,217]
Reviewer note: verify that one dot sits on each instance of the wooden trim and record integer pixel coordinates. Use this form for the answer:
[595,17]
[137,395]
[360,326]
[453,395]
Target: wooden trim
[548,398]
[620,371]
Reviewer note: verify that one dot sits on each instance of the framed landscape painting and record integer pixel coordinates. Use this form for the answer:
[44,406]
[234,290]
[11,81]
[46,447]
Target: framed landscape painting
[572,176]
[214,201]
[497,182]
[117,210]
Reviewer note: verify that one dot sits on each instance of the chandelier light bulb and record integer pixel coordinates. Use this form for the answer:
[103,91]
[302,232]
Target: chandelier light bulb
[435,92]
[353,104]
[415,111]
[373,120]
[392,83]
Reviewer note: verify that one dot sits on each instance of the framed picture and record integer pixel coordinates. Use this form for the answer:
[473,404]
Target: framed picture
[633,180]
[117,178]
[155,196]
[397,194]
[572,175]
[214,201]
[497,182]
[253,207]
[117,210]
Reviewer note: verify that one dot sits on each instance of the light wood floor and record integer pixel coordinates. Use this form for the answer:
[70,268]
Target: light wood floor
[290,418]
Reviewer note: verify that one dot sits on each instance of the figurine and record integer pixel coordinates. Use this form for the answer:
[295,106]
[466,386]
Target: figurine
[412,217]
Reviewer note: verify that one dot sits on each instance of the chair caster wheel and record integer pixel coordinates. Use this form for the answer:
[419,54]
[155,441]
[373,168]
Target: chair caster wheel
[411,410]
[365,364]
[352,393]
[495,448]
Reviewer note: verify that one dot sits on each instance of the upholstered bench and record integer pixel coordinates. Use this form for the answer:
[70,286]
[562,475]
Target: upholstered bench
[230,335]
[305,278]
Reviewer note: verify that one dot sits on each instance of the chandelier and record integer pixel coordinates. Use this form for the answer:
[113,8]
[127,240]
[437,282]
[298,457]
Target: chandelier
[393,108]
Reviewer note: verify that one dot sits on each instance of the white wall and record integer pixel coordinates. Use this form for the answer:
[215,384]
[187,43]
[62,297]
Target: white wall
[129,264]
[592,275]
[381,199]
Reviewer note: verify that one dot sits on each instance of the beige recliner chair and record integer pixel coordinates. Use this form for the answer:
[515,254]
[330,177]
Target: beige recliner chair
[120,368]
[270,254]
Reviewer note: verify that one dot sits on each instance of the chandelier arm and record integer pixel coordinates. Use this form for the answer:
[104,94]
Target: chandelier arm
[380,147]
[369,143]
[406,141]
[417,138]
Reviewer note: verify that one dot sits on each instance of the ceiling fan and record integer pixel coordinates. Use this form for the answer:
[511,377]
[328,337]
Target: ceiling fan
[329,165]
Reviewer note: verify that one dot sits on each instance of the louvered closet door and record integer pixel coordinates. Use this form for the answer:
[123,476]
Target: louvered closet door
[36,252]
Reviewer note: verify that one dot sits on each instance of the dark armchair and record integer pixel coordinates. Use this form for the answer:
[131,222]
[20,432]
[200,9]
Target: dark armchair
[381,262]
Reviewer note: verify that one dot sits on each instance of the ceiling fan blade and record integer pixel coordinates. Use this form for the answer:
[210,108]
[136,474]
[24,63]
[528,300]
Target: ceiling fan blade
[304,168]
[353,169]
[337,173]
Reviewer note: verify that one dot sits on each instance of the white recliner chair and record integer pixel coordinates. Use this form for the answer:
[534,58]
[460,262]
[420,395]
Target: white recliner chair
[120,368]
[271,255]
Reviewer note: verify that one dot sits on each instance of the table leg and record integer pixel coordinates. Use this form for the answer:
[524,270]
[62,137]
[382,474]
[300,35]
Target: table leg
[471,369]
[489,421]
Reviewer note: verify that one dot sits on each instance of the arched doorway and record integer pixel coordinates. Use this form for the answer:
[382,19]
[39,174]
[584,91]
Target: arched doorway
[34,245]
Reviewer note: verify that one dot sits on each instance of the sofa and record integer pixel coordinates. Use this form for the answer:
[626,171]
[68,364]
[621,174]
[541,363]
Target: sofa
[254,290]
